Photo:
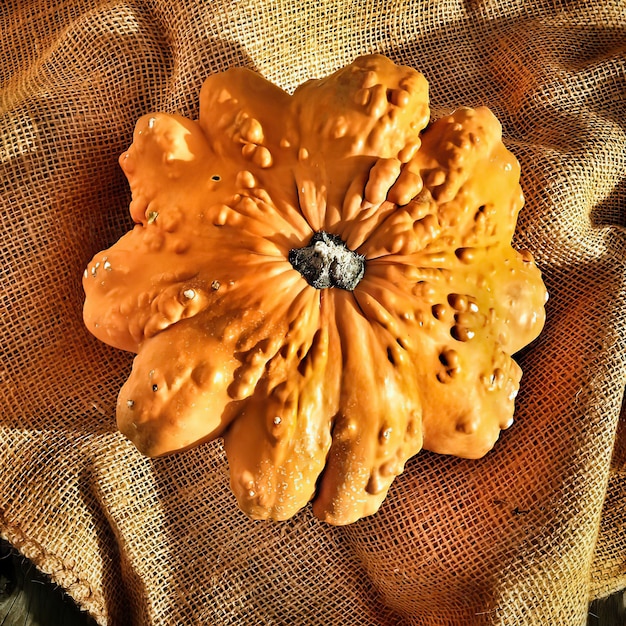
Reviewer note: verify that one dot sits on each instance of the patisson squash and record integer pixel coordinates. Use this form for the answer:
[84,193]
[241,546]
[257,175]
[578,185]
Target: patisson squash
[325,280]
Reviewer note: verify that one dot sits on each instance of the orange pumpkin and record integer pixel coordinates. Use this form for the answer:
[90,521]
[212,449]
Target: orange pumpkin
[324,279]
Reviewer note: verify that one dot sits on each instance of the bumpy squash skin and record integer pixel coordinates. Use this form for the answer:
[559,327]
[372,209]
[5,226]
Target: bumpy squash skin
[319,394]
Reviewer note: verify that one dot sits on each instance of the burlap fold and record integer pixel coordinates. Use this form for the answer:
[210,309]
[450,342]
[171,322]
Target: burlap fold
[527,535]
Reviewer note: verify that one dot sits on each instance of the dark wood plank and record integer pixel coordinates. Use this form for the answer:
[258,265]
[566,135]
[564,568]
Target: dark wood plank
[28,598]
[609,611]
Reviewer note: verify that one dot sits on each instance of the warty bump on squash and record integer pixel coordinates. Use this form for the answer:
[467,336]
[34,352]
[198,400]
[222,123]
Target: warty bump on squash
[325,279]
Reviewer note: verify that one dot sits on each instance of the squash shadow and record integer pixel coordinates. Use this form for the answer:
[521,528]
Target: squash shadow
[523,68]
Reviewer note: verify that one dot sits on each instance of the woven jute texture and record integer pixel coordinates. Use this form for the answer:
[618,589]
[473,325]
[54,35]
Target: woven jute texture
[527,535]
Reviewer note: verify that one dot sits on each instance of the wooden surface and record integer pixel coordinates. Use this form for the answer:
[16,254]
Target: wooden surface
[28,599]
[608,612]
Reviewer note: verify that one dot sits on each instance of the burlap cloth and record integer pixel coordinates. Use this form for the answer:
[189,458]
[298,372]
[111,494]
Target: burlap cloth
[527,535]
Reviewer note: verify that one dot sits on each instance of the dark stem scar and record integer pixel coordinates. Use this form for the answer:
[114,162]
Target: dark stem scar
[326,261]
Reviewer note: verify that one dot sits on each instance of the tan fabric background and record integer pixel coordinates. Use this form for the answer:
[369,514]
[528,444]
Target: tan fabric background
[526,535]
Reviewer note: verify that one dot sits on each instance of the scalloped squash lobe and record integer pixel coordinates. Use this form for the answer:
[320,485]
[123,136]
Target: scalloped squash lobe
[320,394]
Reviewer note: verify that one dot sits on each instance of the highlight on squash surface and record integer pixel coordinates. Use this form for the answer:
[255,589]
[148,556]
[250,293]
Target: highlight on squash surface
[325,279]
